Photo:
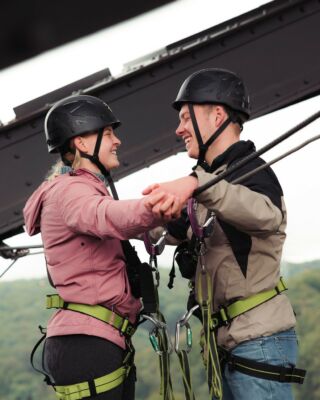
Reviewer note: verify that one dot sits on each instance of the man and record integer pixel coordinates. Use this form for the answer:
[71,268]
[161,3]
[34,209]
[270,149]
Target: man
[242,258]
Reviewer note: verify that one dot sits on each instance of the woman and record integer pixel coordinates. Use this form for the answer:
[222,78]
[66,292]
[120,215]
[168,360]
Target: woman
[84,231]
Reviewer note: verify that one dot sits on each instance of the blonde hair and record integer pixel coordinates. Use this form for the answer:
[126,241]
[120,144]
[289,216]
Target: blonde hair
[72,157]
[55,170]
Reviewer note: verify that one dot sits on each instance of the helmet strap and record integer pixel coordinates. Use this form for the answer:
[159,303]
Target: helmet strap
[203,147]
[94,158]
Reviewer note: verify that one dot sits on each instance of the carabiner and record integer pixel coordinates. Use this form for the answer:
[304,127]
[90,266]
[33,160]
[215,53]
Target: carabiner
[204,231]
[184,322]
[154,333]
[154,249]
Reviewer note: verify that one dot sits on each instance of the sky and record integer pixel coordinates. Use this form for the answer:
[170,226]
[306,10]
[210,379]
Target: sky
[127,41]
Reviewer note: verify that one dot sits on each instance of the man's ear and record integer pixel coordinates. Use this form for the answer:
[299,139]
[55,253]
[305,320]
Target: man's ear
[221,115]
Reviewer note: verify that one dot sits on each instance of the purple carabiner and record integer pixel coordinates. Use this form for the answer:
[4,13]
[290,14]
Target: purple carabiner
[157,248]
[200,232]
[191,209]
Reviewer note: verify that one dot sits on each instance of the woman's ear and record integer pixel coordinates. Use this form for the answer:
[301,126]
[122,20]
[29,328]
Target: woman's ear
[80,144]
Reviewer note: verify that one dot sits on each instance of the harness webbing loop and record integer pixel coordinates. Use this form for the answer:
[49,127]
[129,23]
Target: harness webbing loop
[96,311]
[257,369]
[99,385]
[226,314]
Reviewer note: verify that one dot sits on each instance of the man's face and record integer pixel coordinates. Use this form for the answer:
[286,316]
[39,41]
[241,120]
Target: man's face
[185,130]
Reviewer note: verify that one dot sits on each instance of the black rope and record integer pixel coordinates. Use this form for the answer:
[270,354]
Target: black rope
[256,154]
[293,150]
[6,248]
[7,269]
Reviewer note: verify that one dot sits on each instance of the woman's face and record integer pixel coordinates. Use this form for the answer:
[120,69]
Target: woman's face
[108,148]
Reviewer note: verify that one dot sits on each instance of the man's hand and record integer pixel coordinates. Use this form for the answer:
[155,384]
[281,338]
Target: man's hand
[164,205]
[182,187]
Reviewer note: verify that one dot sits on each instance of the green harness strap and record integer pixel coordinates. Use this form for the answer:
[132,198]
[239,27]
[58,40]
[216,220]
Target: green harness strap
[96,311]
[106,382]
[214,354]
[99,385]
[226,314]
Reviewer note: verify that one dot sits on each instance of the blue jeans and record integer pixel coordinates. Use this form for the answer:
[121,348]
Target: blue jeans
[278,349]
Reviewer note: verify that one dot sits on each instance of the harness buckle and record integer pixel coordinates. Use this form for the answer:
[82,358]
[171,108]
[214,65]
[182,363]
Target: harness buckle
[231,364]
[223,313]
[126,329]
[285,375]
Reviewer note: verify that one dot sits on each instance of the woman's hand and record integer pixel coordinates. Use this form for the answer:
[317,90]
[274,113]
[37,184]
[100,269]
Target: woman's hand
[164,205]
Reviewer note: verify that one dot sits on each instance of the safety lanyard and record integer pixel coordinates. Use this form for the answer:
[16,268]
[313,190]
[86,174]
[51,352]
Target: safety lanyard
[204,290]
[158,334]
[182,353]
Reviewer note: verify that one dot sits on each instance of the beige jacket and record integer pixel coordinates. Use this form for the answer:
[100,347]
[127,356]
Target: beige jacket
[244,252]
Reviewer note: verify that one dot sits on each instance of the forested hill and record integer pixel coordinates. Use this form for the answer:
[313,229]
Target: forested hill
[22,310]
[291,269]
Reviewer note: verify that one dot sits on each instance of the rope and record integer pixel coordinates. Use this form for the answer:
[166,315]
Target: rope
[256,154]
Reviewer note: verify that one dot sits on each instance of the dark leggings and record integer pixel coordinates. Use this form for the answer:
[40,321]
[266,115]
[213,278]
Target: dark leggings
[76,358]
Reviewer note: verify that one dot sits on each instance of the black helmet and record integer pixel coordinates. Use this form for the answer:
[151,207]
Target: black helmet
[215,86]
[73,116]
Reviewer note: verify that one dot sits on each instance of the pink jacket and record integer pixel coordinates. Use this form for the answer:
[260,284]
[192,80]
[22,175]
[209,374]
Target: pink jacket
[81,227]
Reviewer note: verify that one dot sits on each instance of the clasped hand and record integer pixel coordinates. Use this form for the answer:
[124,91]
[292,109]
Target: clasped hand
[168,198]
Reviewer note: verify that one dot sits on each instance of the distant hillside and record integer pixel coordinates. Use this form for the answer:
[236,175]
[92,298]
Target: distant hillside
[291,269]
[22,310]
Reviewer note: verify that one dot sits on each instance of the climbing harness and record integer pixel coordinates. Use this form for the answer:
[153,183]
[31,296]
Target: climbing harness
[215,357]
[101,313]
[226,314]
[91,387]
[256,369]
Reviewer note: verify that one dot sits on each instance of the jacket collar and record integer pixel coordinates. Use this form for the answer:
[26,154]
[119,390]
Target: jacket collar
[234,152]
